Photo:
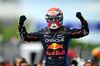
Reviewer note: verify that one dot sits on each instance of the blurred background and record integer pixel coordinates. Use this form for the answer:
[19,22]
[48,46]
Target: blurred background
[11,45]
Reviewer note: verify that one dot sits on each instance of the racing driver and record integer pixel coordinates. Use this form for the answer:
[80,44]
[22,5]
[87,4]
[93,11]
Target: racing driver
[55,37]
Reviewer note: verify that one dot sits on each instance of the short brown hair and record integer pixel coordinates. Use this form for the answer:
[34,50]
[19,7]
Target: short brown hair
[24,61]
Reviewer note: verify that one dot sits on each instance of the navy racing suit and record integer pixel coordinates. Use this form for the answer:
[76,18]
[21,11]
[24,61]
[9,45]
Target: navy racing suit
[55,42]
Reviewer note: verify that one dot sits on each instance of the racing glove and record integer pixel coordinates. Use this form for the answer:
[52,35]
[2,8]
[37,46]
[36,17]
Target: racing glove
[79,15]
[22,19]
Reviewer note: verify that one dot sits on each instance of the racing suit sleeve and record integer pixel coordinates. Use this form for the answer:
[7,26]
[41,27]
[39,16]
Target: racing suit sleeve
[77,33]
[28,36]
[23,33]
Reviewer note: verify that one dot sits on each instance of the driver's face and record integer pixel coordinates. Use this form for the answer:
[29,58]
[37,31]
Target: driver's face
[53,19]
[88,64]
[18,61]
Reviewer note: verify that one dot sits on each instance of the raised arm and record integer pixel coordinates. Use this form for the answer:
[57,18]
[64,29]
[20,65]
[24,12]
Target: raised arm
[76,33]
[23,33]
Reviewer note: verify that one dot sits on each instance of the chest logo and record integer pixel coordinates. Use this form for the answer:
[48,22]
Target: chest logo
[55,46]
[54,40]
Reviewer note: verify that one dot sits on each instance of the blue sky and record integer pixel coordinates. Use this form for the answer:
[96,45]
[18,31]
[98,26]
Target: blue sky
[89,8]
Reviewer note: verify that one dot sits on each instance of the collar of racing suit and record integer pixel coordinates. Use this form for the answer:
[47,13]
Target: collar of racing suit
[50,31]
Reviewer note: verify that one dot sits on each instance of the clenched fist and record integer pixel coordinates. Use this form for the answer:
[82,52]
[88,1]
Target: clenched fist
[22,19]
[79,15]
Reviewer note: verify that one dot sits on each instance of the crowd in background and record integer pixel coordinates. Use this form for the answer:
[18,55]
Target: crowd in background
[20,61]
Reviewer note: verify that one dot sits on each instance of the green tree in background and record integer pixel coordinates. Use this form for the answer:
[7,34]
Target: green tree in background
[10,30]
[0,27]
[86,46]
